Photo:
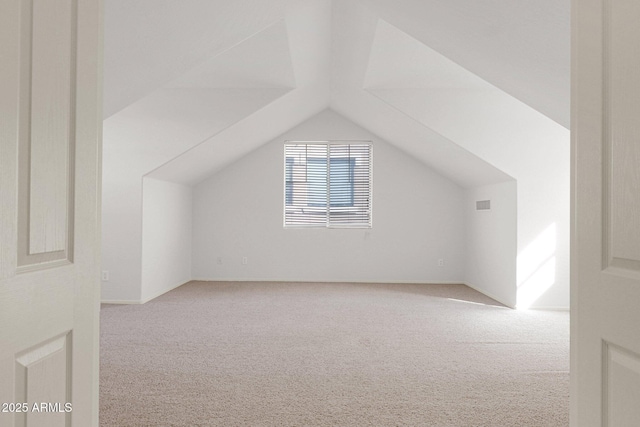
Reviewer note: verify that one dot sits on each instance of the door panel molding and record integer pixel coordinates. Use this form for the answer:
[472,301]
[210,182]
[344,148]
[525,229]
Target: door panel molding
[621,373]
[620,100]
[50,193]
[47,115]
[621,186]
[605,249]
[43,375]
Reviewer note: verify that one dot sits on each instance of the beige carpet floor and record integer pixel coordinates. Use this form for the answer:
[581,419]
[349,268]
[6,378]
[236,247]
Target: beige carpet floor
[310,354]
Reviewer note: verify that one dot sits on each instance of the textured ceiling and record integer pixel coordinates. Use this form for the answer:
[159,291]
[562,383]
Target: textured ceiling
[191,86]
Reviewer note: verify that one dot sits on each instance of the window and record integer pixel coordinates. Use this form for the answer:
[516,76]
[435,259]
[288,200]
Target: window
[327,184]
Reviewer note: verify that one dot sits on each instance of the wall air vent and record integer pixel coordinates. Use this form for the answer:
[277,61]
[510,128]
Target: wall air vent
[483,205]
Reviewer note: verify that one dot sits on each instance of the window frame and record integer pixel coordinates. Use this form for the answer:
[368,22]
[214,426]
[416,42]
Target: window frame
[288,186]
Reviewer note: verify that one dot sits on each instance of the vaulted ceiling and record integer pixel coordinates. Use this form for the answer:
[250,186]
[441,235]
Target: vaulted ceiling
[193,85]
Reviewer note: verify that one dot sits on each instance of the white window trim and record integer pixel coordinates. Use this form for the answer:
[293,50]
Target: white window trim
[327,225]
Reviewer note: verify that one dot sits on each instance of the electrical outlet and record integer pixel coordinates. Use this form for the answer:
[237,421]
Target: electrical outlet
[440,262]
[105,276]
[245,260]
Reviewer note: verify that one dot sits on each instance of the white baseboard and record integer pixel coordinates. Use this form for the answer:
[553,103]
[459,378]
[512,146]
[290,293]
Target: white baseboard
[543,308]
[501,301]
[490,295]
[162,292]
[409,282]
[142,301]
[120,301]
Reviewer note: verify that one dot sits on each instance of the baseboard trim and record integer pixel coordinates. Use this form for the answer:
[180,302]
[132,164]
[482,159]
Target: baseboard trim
[490,295]
[142,301]
[162,292]
[410,282]
[120,301]
[400,282]
[543,308]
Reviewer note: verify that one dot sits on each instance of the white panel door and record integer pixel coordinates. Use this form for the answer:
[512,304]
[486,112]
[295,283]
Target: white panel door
[605,298]
[50,133]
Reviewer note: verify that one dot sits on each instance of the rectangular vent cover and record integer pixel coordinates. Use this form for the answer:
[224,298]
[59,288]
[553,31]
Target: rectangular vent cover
[483,205]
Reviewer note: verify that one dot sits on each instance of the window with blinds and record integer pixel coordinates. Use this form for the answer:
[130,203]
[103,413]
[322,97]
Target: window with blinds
[327,184]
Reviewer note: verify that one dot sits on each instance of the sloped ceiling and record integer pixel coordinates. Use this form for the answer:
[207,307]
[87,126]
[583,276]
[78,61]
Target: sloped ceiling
[522,47]
[149,43]
[191,86]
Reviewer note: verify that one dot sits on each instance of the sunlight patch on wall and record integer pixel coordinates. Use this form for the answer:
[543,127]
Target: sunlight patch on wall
[536,268]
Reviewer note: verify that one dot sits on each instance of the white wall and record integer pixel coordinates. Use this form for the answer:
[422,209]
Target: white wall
[166,231]
[138,140]
[527,146]
[492,242]
[418,218]
[121,229]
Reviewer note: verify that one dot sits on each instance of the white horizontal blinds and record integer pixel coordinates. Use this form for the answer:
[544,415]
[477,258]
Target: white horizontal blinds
[350,185]
[306,185]
[328,185]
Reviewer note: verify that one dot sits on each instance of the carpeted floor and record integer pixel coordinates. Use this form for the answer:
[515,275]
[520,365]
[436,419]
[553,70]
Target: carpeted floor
[309,354]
